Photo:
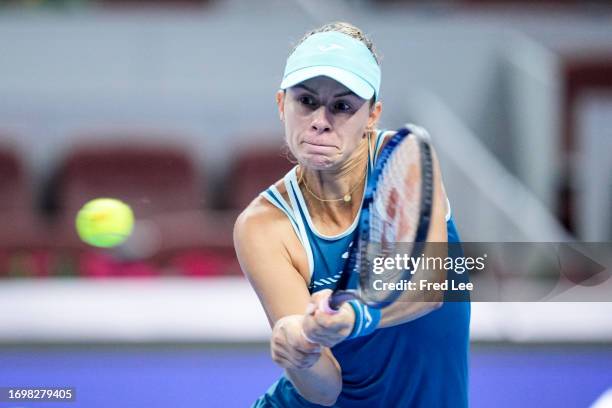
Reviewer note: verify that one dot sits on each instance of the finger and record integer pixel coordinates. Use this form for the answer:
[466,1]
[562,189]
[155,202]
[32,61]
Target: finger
[295,359]
[322,299]
[324,305]
[330,342]
[327,341]
[317,297]
[297,350]
[328,337]
[319,333]
[311,360]
[316,329]
[288,362]
[343,319]
[328,322]
[310,308]
[307,345]
[281,359]
[314,332]
[307,337]
[303,343]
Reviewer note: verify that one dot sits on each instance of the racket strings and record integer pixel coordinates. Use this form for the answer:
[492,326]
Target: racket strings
[397,197]
[394,215]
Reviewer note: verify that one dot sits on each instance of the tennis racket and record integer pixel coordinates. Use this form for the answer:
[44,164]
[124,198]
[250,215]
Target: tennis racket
[395,217]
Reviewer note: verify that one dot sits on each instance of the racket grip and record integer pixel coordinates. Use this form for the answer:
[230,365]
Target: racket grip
[330,306]
[336,300]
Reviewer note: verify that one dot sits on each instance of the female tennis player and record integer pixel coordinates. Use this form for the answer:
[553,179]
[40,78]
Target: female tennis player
[292,240]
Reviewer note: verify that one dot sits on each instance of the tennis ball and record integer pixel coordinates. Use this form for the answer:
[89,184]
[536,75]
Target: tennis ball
[105,222]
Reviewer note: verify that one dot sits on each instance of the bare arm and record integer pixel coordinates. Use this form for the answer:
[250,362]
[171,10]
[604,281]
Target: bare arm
[283,292]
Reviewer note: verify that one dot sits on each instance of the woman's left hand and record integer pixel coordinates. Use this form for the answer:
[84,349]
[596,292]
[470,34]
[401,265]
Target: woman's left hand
[325,328]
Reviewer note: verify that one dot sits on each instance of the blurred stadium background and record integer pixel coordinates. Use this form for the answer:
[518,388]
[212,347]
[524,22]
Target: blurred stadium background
[169,106]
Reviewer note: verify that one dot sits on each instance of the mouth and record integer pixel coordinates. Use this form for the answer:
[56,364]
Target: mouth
[318,145]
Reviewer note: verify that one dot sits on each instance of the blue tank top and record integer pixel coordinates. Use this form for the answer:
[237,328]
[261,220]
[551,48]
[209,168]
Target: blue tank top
[422,363]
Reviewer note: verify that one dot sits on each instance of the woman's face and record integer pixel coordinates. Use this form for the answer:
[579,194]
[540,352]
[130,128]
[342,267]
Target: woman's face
[324,121]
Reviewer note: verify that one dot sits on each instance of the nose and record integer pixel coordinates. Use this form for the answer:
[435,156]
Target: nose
[320,122]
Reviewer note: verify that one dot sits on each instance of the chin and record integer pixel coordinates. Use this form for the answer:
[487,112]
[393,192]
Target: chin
[318,162]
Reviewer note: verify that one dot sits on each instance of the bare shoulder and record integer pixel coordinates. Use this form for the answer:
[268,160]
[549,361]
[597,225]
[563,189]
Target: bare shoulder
[262,228]
[262,214]
[260,218]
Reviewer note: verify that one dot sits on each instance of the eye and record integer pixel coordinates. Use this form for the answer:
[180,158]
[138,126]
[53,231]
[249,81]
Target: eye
[342,106]
[307,100]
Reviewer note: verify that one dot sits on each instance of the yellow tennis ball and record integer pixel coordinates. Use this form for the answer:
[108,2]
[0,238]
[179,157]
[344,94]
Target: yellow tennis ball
[105,222]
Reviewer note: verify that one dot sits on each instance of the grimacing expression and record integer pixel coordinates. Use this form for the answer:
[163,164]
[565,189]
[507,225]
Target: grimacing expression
[324,122]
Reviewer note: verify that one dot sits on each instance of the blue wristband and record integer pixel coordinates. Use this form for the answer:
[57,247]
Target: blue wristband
[366,319]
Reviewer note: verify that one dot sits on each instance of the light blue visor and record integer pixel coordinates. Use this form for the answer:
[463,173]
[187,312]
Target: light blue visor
[337,56]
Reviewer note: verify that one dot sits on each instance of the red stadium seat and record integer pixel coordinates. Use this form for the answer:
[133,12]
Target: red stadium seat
[253,171]
[151,178]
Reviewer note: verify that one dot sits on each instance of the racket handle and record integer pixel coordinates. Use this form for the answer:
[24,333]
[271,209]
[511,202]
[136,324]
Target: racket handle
[336,300]
[329,306]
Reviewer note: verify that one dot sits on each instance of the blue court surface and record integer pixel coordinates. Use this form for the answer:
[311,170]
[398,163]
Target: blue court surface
[226,376]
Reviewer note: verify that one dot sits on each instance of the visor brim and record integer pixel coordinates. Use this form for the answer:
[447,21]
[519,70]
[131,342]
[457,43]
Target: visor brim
[353,82]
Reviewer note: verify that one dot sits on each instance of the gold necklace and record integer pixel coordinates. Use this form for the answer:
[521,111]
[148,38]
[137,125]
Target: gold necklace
[346,198]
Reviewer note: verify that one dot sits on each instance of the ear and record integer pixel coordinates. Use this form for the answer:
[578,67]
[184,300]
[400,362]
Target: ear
[375,113]
[280,102]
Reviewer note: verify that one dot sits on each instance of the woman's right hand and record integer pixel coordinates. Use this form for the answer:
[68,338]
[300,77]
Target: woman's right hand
[289,347]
